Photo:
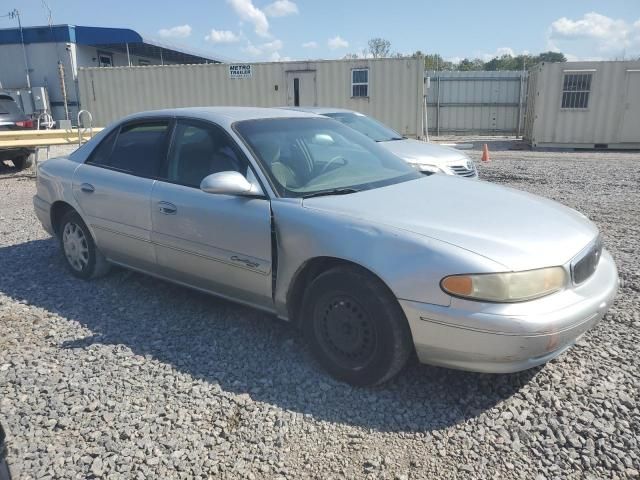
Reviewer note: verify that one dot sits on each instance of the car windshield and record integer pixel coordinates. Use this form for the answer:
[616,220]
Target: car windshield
[366,125]
[312,156]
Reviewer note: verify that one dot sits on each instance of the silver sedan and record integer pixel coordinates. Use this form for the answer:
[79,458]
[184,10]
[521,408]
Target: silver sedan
[303,217]
[427,158]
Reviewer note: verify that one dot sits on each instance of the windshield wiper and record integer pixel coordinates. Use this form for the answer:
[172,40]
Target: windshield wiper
[333,191]
[391,139]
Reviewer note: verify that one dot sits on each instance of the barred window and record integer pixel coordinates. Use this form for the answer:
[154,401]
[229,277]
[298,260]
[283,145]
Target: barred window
[575,90]
[360,82]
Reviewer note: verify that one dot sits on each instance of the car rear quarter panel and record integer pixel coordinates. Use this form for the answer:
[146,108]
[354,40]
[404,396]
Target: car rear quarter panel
[409,264]
[55,180]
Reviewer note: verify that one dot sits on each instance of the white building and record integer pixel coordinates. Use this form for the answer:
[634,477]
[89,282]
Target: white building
[33,57]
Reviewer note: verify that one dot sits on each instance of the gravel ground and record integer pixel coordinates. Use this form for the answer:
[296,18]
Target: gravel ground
[131,377]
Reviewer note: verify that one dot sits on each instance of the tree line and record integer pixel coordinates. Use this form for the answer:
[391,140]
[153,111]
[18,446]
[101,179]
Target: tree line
[381,48]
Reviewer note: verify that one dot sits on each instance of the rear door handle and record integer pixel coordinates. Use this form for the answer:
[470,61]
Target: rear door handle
[167,208]
[87,188]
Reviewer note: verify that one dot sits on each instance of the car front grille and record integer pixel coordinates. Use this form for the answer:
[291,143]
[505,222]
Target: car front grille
[587,262]
[463,170]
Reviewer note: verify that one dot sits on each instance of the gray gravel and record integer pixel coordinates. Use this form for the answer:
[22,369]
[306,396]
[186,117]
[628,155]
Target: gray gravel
[131,377]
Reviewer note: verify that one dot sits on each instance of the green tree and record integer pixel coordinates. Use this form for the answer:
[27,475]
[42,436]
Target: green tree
[469,65]
[379,47]
[551,57]
[433,61]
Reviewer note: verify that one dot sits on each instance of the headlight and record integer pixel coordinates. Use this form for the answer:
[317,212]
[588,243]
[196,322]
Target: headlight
[506,287]
[421,167]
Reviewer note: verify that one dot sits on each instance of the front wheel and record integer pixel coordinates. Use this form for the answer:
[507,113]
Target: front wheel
[23,161]
[355,326]
[80,252]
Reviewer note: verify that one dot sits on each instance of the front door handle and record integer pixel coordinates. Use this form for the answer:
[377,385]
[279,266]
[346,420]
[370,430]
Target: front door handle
[167,208]
[87,188]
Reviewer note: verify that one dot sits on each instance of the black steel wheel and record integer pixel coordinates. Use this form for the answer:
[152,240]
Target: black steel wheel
[345,330]
[355,326]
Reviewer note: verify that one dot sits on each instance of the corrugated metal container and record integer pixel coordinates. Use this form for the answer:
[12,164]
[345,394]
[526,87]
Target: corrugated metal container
[584,105]
[480,102]
[395,88]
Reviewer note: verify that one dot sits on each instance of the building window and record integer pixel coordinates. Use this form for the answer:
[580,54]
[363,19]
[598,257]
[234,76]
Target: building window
[575,90]
[360,82]
[105,59]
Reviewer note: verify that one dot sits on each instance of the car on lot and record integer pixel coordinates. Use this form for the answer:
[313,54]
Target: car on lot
[13,118]
[301,216]
[427,158]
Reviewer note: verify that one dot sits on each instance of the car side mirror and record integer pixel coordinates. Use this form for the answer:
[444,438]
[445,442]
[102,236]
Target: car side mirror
[229,183]
[323,139]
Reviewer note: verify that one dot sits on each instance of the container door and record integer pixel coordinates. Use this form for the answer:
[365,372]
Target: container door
[629,131]
[301,89]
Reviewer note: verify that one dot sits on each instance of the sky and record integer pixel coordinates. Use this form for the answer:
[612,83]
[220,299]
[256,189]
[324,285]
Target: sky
[259,30]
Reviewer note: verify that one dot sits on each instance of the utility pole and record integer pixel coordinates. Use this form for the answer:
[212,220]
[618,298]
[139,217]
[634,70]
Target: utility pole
[16,14]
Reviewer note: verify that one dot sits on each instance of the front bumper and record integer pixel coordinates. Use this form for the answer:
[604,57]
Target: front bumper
[503,338]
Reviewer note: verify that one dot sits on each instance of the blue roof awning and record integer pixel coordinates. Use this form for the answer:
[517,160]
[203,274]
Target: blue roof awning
[117,39]
[104,35]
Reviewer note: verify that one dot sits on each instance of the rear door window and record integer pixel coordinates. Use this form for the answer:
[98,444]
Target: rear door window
[102,153]
[138,149]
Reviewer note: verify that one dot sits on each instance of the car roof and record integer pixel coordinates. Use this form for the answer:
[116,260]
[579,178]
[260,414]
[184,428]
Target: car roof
[223,115]
[318,110]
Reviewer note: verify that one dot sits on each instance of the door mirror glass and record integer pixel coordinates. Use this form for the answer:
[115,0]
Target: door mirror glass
[229,183]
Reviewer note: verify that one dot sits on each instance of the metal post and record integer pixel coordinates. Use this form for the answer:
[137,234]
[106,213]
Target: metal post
[426,118]
[63,87]
[438,109]
[520,104]
[161,58]
[128,57]
[520,96]
[16,14]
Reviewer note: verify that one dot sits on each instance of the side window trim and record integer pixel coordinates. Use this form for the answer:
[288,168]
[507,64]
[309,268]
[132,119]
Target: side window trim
[167,138]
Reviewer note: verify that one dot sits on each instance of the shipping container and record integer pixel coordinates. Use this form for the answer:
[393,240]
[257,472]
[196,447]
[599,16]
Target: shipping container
[584,105]
[391,90]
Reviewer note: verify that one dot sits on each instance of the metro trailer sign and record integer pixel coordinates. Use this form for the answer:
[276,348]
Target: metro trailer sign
[240,71]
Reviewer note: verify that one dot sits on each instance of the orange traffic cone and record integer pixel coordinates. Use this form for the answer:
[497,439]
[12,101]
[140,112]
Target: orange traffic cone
[485,153]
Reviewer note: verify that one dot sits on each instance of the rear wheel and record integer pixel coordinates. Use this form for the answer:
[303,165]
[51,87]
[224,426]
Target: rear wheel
[355,327]
[23,161]
[80,252]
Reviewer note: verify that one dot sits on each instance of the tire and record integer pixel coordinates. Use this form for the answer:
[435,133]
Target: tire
[23,161]
[81,255]
[5,472]
[355,326]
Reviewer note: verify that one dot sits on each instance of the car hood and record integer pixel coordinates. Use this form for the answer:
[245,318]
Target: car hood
[519,230]
[415,151]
